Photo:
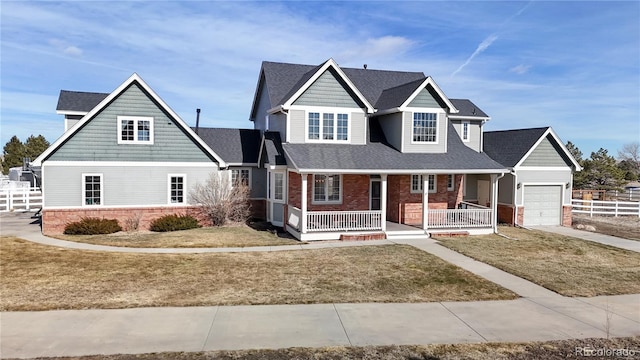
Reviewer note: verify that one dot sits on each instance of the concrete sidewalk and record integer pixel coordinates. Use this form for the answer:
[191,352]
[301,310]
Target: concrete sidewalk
[592,236]
[540,315]
[145,330]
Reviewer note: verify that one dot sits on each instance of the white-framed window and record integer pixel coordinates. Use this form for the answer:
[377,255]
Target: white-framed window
[425,127]
[327,126]
[242,176]
[135,130]
[278,186]
[92,194]
[417,180]
[177,186]
[327,188]
[465,131]
[451,182]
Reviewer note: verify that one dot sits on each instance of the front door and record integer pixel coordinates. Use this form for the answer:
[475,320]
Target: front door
[375,195]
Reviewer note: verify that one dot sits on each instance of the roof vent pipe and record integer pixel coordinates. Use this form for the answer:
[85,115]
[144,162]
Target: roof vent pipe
[365,66]
[197,120]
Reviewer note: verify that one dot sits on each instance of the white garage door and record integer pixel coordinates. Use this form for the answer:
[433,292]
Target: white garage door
[542,205]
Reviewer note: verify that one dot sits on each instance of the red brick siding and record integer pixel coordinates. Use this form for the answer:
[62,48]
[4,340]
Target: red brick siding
[566,216]
[54,221]
[506,214]
[406,207]
[520,215]
[355,193]
[259,208]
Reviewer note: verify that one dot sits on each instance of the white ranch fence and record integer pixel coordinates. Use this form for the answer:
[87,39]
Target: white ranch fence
[20,199]
[599,207]
[459,218]
[344,220]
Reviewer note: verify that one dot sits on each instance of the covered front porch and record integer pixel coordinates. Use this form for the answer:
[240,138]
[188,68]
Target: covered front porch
[383,206]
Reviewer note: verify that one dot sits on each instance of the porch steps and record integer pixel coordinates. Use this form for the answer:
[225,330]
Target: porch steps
[407,234]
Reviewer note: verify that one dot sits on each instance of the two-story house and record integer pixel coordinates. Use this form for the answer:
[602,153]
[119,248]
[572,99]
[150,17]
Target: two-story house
[359,150]
[334,152]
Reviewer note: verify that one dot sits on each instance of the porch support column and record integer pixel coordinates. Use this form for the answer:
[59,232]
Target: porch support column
[425,202]
[303,204]
[383,202]
[494,202]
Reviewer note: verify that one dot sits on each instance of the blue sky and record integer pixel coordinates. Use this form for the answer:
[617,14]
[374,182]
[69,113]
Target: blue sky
[573,65]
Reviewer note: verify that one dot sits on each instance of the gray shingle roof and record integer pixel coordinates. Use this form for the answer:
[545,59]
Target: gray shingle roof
[273,148]
[79,100]
[233,145]
[396,96]
[377,155]
[509,146]
[467,108]
[283,80]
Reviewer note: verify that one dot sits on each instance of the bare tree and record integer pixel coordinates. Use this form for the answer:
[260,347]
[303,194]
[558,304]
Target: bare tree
[629,157]
[220,201]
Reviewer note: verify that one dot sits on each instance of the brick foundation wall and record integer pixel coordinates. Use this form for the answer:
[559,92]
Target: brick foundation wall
[520,215]
[506,214]
[566,216]
[54,221]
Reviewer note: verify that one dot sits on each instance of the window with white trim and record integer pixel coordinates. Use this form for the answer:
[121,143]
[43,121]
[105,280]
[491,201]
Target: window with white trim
[425,127]
[465,131]
[333,127]
[278,186]
[135,130]
[177,185]
[450,182]
[417,181]
[327,188]
[241,176]
[92,194]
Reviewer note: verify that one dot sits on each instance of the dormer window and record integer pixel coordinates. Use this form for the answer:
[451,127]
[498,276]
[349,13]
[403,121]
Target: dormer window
[425,127]
[327,126]
[135,130]
[465,131]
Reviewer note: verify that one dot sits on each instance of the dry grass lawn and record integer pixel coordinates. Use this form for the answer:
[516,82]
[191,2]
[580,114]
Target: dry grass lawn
[227,236]
[549,350]
[38,277]
[566,265]
[627,227]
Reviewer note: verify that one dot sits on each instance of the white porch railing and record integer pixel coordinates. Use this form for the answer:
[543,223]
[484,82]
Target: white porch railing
[365,220]
[20,199]
[615,208]
[467,205]
[459,218]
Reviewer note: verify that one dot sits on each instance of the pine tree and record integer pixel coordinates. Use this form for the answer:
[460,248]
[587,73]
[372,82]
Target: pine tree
[13,153]
[602,171]
[35,145]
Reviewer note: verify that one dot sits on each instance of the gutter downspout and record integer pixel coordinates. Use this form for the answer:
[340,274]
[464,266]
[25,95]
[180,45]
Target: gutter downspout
[494,202]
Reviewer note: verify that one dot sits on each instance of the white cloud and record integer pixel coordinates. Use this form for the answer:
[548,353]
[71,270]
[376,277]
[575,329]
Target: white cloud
[65,48]
[484,45]
[520,69]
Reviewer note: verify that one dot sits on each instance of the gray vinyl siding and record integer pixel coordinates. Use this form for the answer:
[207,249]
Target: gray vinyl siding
[262,109]
[278,212]
[122,186]
[545,154]
[392,127]
[70,123]
[296,126]
[425,98]
[278,122]
[327,90]
[505,189]
[358,128]
[98,139]
[475,133]
[440,147]
[533,177]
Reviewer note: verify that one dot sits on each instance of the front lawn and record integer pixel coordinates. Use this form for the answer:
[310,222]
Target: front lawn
[39,277]
[224,236]
[566,265]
